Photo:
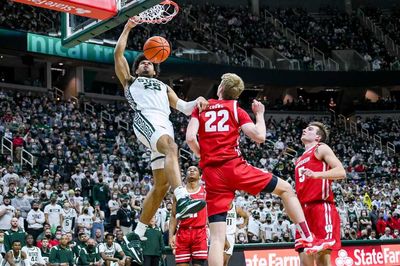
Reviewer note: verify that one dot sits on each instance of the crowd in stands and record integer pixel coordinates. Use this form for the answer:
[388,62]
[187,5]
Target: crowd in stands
[332,31]
[90,175]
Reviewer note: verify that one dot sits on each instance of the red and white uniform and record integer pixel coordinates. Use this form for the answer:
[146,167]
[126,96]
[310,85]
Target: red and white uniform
[191,236]
[317,199]
[224,169]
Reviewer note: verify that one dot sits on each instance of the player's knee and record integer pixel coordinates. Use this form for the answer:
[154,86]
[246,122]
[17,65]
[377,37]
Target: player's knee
[161,189]
[172,148]
[283,187]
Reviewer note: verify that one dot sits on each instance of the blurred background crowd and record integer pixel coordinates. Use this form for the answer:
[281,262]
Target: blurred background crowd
[95,169]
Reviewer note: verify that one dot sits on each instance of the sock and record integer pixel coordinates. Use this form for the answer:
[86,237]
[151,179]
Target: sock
[180,192]
[304,231]
[140,229]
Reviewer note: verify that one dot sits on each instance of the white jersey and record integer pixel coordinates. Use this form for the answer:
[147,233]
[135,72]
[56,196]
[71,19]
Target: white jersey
[18,261]
[53,212]
[68,219]
[149,97]
[34,255]
[110,251]
[231,220]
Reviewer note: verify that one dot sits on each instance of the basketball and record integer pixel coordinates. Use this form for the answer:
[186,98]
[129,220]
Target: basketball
[156,49]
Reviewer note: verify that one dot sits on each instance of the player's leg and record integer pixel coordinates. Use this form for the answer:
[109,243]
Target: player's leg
[294,209]
[155,196]
[323,258]
[228,253]
[217,224]
[306,260]
[182,250]
[199,247]
[167,146]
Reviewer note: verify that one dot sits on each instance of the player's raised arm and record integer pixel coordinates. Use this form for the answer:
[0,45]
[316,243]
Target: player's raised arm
[121,64]
[183,106]
[191,136]
[257,131]
[325,153]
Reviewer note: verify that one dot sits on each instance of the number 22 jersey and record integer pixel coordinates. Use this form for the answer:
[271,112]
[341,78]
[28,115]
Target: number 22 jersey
[219,131]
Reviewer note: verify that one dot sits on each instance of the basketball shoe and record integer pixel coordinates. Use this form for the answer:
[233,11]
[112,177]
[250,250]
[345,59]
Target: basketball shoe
[186,206]
[317,245]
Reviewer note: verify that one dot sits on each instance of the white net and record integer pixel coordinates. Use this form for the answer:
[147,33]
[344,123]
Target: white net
[161,13]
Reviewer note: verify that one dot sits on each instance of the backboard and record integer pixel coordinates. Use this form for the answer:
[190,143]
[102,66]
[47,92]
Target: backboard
[77,29]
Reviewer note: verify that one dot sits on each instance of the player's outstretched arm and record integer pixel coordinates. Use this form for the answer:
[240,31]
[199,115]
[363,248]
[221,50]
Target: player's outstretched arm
[325,153]
[121,64]
[183,106]
[257,131]
[191,136]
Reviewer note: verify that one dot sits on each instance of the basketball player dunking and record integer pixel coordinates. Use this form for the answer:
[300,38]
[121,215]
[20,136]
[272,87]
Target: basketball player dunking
[151,100]
[315,170]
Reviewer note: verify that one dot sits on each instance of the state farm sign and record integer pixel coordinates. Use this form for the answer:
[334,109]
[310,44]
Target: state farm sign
[388,255]
[99,9]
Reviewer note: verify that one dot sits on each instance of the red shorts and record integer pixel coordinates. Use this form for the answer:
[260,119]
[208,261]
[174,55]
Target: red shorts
[222,181]
[191,244]
[323,220]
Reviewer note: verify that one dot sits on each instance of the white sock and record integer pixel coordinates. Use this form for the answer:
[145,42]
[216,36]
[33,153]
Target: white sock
[140,229]
[180,192]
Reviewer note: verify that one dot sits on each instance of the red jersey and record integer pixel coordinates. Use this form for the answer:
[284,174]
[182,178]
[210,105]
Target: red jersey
[198,219]
[312,189]
[219,131]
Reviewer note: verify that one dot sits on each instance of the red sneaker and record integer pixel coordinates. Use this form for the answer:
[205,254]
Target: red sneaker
[318,245]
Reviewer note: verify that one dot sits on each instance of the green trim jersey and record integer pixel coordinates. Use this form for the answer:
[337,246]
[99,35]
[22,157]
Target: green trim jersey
[69,218]
[110,251]
[34,255]
[149,96]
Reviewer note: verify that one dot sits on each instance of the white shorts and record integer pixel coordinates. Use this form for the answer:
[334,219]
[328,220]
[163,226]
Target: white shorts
[148,130]
[231,240]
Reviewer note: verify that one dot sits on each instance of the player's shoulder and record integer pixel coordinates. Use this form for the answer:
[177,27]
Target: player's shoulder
[322,148]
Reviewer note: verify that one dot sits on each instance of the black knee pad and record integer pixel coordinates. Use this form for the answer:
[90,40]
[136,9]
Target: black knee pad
[198,262]
[270,187]
[220,217]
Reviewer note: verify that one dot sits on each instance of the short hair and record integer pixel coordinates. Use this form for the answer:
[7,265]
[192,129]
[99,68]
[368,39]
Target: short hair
[233,86]
[141,58]
[109,234]
[322,131]
[16,241]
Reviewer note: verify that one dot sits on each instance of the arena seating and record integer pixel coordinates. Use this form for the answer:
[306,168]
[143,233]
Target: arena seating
[67,138]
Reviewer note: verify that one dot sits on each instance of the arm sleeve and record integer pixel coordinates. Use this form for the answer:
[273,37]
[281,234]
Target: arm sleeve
[243,117]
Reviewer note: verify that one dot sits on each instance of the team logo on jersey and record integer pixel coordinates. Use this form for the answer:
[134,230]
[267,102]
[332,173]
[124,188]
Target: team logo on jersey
[343,259]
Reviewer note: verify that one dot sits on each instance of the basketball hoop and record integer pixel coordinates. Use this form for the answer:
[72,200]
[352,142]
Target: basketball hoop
[158,14]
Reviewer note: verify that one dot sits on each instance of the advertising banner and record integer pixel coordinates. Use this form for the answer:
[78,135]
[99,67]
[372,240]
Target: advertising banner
[369,255]
[99,9]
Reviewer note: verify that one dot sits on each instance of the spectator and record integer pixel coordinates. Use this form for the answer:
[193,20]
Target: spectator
[35,220]
[53,213]
[387,235]
[153,246]
[15,233]
[7,212]
[112,252]
[100,194]
[62,253]
[90,255]
[124,217]
[98,219]
[23,205]
[85,221]
[33,253]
